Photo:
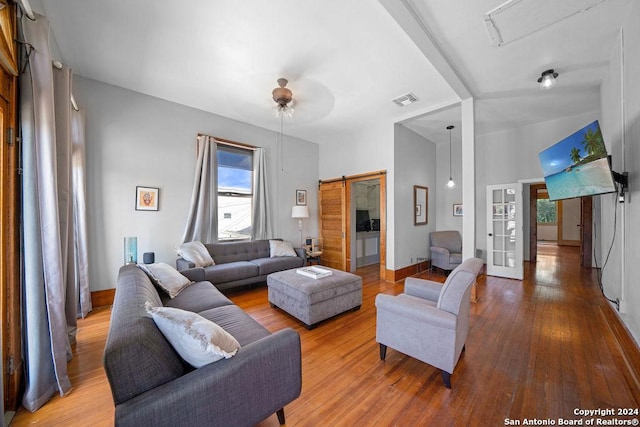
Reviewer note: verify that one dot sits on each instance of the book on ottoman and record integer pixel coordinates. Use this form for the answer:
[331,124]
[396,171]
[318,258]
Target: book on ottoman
[314,272]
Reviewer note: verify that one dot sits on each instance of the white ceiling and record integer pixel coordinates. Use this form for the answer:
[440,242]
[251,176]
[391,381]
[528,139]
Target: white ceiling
[345,60]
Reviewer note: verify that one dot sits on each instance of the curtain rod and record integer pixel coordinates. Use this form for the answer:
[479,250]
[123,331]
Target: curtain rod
[230,143]
[26,6]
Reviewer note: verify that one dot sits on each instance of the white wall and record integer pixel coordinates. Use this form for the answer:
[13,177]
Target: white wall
[620,105]
[447,197]
[408,160]
[510,156]
[611,126]
[134,139]
[415,164]
[548,232]
[366,150]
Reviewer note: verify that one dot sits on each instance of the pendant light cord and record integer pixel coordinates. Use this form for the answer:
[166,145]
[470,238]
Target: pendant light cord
[281,139]
[450,176]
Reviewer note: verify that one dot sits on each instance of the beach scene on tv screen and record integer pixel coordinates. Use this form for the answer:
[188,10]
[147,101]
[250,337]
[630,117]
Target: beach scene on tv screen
[578,165]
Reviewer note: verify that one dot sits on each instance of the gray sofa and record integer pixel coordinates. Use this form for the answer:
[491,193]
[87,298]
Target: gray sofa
[152,385]
[240,263]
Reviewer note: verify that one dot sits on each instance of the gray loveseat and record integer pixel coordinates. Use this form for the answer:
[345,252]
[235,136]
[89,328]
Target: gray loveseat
[240,263]
[152,385]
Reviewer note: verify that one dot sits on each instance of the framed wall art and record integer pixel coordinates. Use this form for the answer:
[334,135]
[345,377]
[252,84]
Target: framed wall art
[301,197]
[147,198]
[420,205]
[457,210]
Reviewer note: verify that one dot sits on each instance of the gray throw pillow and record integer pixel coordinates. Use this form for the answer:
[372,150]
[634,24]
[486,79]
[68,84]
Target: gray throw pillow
[196,253]
[166,278]
[280,248]
[197,340]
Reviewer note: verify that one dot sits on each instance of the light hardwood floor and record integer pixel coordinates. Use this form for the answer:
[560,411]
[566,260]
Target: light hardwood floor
[537,349]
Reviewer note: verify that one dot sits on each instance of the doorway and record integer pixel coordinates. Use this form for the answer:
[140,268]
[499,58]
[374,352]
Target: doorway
[365,223]
[573,224]
[338,199]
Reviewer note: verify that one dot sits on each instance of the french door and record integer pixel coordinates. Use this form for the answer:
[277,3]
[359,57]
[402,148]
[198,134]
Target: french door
[504,231]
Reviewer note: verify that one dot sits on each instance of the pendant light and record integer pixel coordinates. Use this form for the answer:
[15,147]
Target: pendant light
[451,182]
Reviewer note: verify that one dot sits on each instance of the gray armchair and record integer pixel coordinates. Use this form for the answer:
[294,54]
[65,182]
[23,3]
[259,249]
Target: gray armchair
[446,249]
[429,321]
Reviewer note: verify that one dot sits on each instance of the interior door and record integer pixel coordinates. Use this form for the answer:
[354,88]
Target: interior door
[333,224]
[586,231]
[504,231]
[11,361]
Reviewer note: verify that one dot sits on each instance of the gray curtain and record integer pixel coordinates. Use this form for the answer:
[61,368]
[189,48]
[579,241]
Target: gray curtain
[49,210]
[261,220]
[202,221]
[81,257]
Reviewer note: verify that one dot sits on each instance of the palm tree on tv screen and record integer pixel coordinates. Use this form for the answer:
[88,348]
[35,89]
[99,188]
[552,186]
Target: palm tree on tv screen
[593,144]
[575,155]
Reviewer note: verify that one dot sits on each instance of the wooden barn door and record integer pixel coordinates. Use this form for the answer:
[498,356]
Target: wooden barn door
[11,363]
[333,223]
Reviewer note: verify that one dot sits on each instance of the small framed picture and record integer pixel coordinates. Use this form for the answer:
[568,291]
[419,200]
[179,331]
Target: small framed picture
[301,197]
[147,198]
[457,209]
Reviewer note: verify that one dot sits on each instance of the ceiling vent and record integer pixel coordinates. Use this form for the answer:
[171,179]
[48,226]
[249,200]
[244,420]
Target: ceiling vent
[405,99]
[516,19]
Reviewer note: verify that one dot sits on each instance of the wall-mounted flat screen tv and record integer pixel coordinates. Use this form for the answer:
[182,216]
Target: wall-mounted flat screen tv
[578,165]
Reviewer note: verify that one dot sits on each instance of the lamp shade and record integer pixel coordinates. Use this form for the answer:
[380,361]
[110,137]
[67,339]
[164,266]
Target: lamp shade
[299,212]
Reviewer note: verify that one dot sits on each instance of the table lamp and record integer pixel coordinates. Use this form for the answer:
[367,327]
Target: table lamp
[300,212]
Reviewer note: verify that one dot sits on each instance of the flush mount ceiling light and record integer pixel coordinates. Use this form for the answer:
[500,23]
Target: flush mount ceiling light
[548,79]
[283,97]
[451,183]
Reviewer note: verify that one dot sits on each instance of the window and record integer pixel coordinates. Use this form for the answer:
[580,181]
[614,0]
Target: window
[547,211]
[235,193]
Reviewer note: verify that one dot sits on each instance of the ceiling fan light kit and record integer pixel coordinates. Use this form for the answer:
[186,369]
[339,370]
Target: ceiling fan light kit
[548,79]
[283,97]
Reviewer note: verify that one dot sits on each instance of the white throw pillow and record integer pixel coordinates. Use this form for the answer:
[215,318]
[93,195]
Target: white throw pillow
[166,277]
[280,248]
[196,253]
[197,340]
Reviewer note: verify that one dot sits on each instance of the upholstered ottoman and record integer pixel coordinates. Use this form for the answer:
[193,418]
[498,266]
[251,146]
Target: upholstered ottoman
[313,300]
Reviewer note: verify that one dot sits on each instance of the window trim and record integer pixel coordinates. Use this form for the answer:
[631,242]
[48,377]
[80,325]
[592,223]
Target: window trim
[221,143]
